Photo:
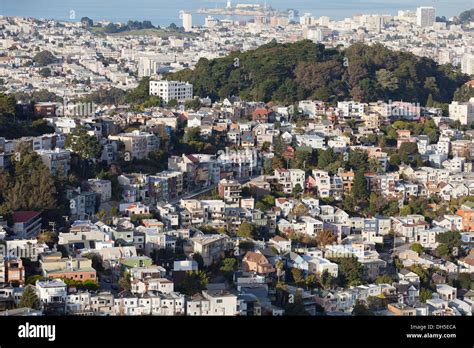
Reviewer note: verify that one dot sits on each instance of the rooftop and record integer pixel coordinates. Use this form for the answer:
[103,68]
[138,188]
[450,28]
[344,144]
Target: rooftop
[25,216]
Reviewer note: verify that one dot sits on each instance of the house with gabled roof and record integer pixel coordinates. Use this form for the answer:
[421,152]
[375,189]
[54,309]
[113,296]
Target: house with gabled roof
[257,262]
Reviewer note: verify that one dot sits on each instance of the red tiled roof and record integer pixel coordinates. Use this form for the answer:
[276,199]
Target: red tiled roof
[255,257]
[192,158]
[470,83]
[260,111]
[24,216]
[468,260]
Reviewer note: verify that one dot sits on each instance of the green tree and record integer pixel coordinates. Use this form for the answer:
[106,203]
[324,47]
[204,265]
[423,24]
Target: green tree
[450,245]
[359,188]
[7,105]
[45,72]
[31,186]
[303,158]
[418,248]
[466,16]
[101,214]
[31,280]
[299,210]
[464,281]
[326,157]
[384,279]
[395,160]
[361,309]
[327,280]
[114,211]
[173,103]
[429,101]
[193,283]
[96,261]
[376,303]
[350,271]
[29,299]
[297,190]
[140,94]
[311,281]
[358,160]
[398,263]
[408,151]
[305,70]
[297,275]
[124,282]
[425,294]
[422,273]
[90,285]
[266,202]
[44,58]
[87,22]
[85,145]
[386,79]
[295,305]
[405,210]
[228,267]
[152,101]
[442,250]
[199,259]
[246,230]
[377,204]
[194,104]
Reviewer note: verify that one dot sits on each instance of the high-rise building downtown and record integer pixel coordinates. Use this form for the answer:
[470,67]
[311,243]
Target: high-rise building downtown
[425,16]
[187,21]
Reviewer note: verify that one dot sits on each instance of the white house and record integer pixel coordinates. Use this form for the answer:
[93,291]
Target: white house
[51,291]
[221,302]
[172,90]
[318,265]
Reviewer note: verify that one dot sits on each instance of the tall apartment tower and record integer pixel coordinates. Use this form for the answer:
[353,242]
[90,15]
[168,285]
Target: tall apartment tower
[425,16]
[187,21]
[467,64]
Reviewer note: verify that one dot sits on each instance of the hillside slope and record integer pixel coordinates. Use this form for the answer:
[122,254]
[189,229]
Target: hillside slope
[296,71]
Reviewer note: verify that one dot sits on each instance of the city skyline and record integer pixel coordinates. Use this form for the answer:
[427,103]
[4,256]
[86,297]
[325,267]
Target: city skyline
[279,164]
[165,13]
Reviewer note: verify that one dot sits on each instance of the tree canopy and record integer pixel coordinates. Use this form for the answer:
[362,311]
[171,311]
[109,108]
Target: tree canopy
[85,145]
[295,71]
[28,186]
[29,299]
[44,58]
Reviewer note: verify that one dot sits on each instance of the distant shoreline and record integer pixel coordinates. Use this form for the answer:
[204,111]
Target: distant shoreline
[163,14]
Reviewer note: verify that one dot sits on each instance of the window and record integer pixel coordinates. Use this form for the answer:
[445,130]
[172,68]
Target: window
[219,301]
